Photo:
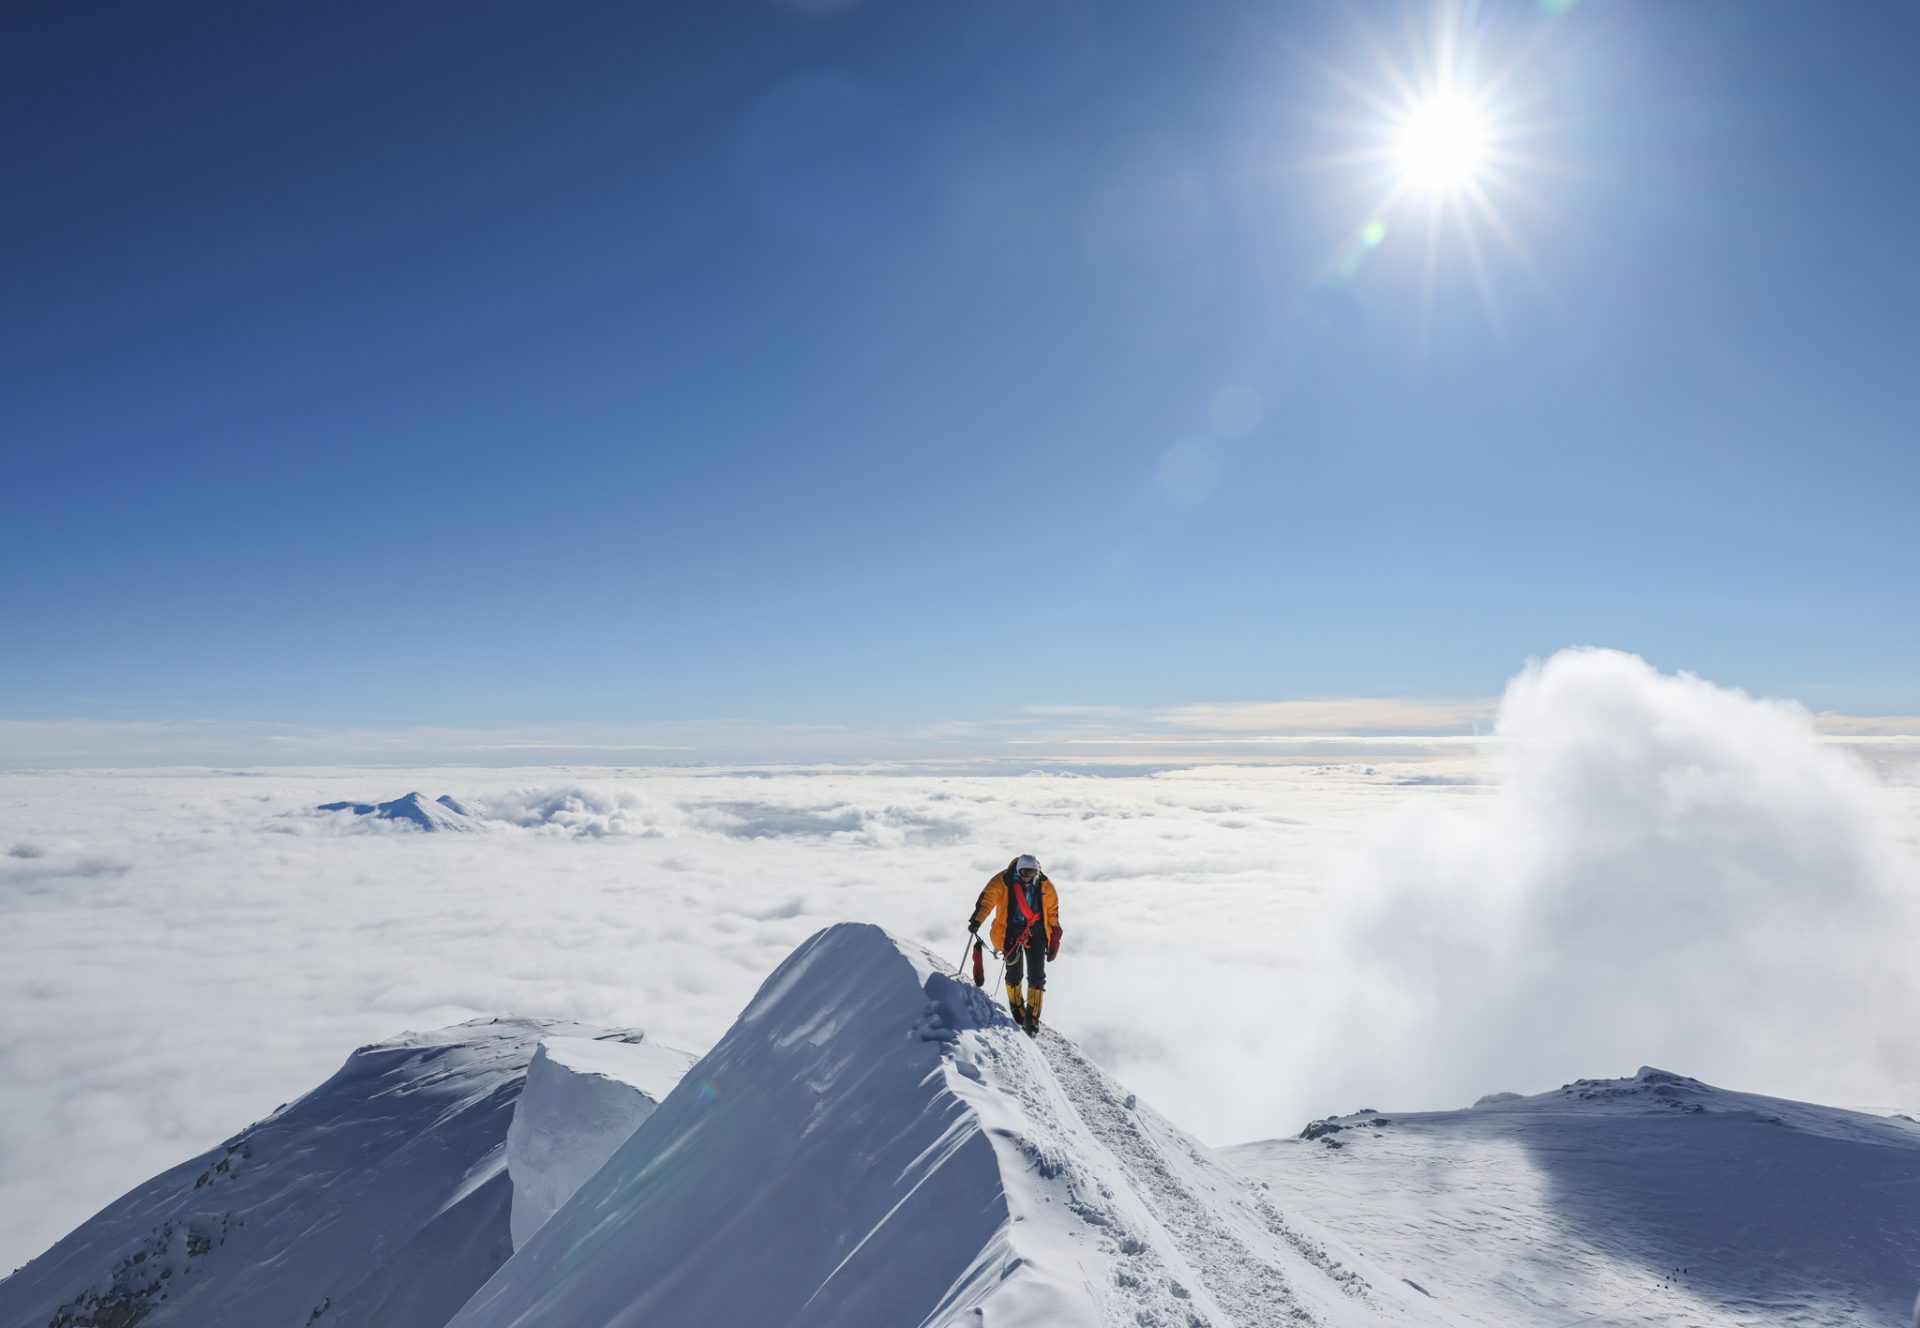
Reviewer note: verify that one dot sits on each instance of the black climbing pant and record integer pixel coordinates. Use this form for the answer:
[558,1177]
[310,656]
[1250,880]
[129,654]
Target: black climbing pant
[1035,951]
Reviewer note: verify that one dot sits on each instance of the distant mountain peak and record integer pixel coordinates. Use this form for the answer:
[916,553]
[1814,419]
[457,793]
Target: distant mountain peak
[416,809]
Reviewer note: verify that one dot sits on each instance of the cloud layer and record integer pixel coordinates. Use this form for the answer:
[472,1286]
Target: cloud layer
[1645,869]
[181,952]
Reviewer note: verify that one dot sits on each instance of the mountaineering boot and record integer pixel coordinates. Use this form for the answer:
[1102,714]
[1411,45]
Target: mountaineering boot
[1035,998]
[1018,1006]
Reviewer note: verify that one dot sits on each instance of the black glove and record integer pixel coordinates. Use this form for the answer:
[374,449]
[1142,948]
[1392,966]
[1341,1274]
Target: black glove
[973,926]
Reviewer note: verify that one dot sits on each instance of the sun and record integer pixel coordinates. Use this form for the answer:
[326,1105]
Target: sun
[1440,144]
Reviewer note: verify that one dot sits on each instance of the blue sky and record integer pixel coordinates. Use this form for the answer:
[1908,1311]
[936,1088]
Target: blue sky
[879,364]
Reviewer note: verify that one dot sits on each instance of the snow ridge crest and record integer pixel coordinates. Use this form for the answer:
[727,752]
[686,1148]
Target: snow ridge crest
[875,1143]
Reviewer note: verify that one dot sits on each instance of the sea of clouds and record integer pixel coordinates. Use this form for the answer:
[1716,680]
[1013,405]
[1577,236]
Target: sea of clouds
[1638,869]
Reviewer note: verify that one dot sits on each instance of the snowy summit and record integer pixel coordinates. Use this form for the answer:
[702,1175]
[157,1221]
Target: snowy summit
[875,1143]
[380,1198]
[442,813]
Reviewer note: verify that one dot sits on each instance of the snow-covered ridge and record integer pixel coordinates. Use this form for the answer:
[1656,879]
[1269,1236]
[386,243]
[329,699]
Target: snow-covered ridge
[874,1143]
[1654,1200]
[379,1198]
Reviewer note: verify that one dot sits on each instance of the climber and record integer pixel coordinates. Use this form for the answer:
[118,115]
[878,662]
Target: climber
[1026,928]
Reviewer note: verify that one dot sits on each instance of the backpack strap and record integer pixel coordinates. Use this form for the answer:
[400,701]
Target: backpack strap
[1019,893]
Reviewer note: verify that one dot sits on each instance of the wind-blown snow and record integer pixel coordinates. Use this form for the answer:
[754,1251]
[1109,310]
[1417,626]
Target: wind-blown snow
[584,1097]
[1657,1201]
[379,1198]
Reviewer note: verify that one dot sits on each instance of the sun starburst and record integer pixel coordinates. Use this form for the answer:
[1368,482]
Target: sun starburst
[1441,132]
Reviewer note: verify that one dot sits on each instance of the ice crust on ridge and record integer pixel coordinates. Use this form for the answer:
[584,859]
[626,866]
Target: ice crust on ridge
[583,1098]
[380,1198]
[874,1144]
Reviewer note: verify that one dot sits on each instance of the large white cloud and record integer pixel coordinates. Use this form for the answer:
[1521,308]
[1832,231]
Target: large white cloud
[1670,873]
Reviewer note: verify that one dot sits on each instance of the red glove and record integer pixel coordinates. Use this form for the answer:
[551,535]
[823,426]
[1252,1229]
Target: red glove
[1053,945]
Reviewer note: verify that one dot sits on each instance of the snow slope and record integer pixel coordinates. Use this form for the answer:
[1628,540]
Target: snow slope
[874,1143]
[380,1198]
[1656,1200]
[416,809]
[584,1097]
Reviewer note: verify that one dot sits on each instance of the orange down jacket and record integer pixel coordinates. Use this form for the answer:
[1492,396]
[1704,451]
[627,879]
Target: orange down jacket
[999,900]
